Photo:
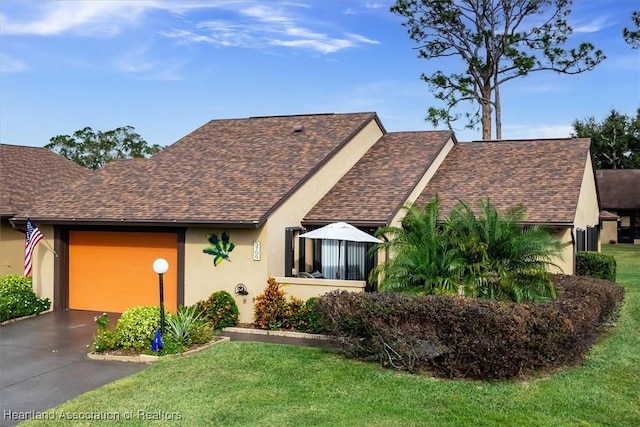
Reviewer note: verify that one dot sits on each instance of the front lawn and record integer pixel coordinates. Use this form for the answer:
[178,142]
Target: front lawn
[267,385]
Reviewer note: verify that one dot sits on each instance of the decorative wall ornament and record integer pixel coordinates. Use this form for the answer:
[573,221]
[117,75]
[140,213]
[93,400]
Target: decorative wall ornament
[219,248]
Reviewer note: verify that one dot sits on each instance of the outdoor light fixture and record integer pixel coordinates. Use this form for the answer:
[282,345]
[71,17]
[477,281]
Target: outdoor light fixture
[160,266]
[241,289]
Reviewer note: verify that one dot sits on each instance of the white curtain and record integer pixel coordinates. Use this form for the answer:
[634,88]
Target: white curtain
[352,254]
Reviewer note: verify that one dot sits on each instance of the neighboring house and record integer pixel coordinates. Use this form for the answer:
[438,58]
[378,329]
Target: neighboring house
[26,172]
[225,206]
[620,201]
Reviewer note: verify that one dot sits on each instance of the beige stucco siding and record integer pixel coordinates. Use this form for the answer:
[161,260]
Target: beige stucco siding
[565,264]
[202,278]
[587,210]
[308,288]
[609,232]
[11,250]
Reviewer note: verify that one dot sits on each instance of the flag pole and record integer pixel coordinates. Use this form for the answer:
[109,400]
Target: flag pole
[48,246]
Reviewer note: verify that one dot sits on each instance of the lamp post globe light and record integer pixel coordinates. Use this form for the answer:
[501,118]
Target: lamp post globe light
[160,266]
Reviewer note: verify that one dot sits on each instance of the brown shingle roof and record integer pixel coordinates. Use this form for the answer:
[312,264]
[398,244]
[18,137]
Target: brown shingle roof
[619,188]
[28,171]
[378,185]
[544,175]
[226,172]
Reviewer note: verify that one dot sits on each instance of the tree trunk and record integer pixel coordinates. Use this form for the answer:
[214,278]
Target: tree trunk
[496,105]
[486,111]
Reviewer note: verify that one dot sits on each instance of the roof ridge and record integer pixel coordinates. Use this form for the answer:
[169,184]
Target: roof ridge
[22,146]
[484,141]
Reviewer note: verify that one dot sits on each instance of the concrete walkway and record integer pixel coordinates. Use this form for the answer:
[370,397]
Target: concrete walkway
[273,339]
[43,363]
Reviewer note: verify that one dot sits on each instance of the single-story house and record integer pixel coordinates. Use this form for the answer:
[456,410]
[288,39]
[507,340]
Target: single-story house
[225,206]
[26,172]
[620,201]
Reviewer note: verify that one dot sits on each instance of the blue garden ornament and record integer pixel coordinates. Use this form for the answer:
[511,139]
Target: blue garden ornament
[156,344]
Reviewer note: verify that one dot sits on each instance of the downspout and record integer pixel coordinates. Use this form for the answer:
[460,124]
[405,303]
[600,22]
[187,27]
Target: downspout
[573,246]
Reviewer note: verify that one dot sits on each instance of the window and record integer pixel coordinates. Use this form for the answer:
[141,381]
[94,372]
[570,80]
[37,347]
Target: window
[352,264]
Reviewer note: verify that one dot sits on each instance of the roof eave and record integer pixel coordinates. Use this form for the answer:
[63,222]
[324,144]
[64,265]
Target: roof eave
[90,222]
[356,223]
[560,224]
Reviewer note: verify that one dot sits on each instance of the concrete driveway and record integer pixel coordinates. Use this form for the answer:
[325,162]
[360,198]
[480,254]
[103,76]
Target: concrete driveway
[43,363]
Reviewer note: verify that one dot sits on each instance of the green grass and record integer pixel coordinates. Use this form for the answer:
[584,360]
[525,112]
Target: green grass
[252,384]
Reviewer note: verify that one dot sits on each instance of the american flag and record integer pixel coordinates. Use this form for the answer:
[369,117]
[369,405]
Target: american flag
[33,237]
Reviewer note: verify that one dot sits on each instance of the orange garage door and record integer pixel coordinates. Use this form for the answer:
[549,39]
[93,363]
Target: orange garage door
[113,271]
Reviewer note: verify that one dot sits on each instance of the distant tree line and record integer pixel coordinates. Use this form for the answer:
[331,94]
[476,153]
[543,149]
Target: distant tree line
[615,140]
[94,149]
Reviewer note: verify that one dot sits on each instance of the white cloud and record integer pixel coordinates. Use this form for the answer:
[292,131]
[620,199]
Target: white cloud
[260,24]
[189,37]
[592,26]
[265,25]
[322,46]
[57,17]
[374,5]
[137,63]
[265,14]
[89,17]
[10,64]
[362,39]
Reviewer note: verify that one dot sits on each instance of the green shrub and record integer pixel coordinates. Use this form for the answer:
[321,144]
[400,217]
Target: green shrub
[201,333]
[273,310]
[271,307]
[17,298]
[294,313]
[468,337]
[136,327]
[105,339]
[310,317]
[170,345]
[220,309]
[596,264]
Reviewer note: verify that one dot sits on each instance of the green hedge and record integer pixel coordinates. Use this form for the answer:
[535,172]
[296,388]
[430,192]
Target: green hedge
[468,337]
[596,264]
[17,298]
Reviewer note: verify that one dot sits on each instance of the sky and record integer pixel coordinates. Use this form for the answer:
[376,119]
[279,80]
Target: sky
[168,67]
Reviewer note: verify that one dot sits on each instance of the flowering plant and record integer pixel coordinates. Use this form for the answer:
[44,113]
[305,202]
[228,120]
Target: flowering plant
[102,321]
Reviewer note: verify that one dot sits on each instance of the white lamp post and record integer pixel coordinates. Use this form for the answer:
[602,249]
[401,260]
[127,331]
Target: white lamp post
[160,266]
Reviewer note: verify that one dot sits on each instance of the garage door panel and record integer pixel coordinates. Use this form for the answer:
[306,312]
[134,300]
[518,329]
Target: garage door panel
[112,271]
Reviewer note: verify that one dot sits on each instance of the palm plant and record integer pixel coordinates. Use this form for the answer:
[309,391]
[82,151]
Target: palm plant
[489,256]
[422,260]
[504,260]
